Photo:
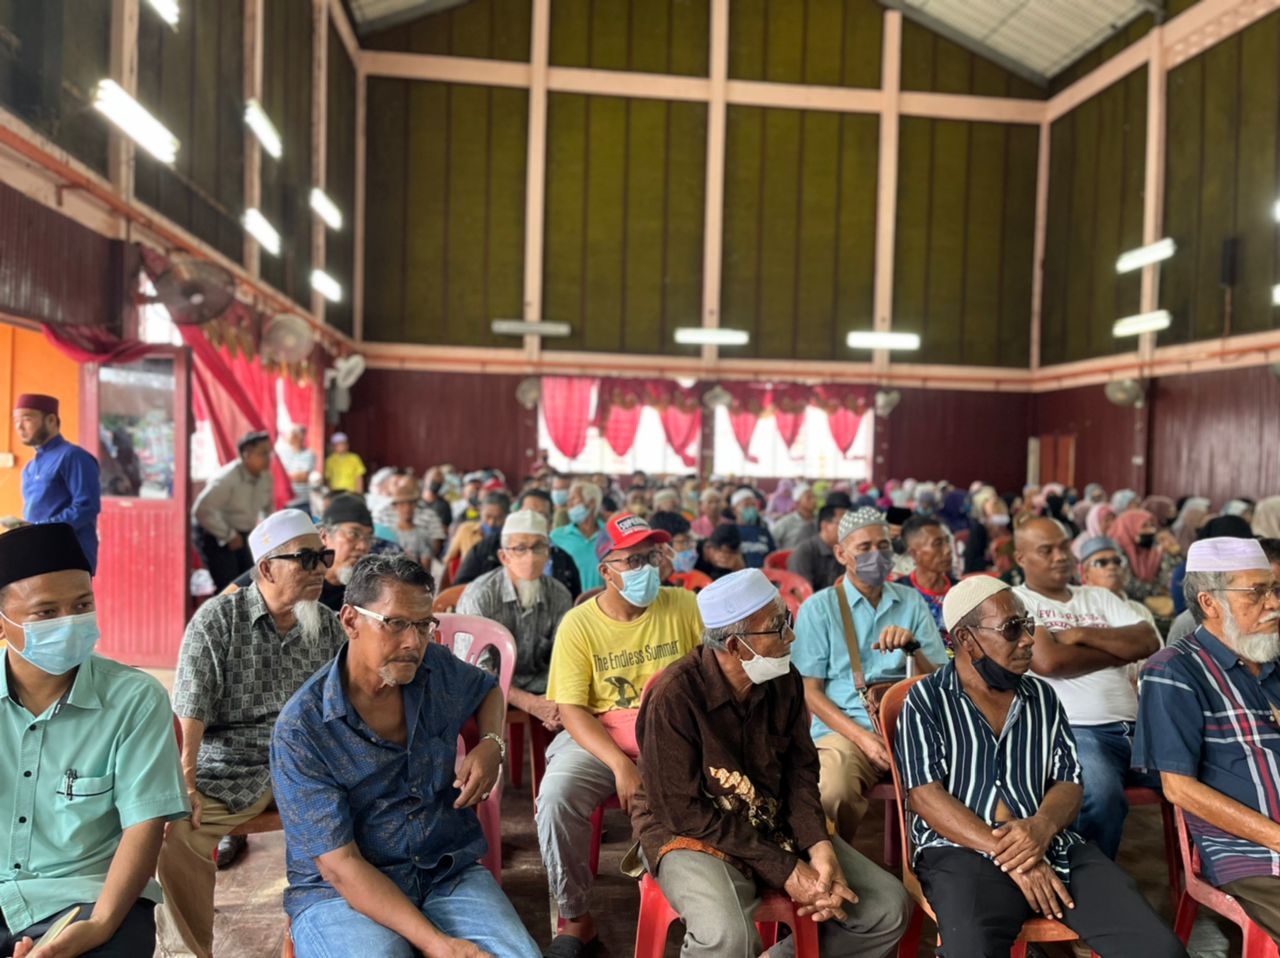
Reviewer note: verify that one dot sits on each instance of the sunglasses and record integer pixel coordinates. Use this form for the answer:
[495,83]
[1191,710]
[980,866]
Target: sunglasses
[1104,563]
[1012,630]
[309,558]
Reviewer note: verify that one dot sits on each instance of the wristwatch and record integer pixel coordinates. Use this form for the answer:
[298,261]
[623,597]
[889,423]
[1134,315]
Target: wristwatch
[499,741]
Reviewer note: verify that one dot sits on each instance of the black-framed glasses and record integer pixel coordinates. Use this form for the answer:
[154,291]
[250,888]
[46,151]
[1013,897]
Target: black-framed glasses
[1012,630]
[309,558]
[1257,593]
[652,557]
[396,626]
[1105,563]
[541,549]
[788,625]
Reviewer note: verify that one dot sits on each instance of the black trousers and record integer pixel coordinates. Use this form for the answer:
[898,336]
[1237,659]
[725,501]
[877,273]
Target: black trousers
[980,910]
[135,937]
[225,565]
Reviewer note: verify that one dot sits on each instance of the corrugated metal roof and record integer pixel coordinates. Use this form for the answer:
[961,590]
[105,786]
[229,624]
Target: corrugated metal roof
[370,15]
[1037,38]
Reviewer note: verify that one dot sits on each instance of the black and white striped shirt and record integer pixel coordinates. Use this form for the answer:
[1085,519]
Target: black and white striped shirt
[944,737]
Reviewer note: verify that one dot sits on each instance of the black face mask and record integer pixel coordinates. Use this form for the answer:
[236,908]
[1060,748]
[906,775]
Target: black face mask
[899,547]
[1146,540]
[997,677]
[436,487]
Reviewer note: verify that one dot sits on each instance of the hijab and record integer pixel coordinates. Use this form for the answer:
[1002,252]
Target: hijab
[1143,563]
[1162,508]
[781,502]
[953,510]
[1122,499]
[1266,518]
[1190,517]
[1080,512]
[1093,521]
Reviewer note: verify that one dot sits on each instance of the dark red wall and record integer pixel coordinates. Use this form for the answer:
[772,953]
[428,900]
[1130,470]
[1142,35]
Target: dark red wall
[956,435]
[1108,437]
[422,419]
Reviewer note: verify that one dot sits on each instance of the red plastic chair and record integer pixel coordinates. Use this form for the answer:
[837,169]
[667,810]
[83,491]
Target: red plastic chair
[657,916]
[446,600]
[287,950]
[692,580]
[1149,796]
[597,831]
[885,792]
[540,737]
[778,560]
[1257,943]
[469,636]
[789,583]
[1033,930]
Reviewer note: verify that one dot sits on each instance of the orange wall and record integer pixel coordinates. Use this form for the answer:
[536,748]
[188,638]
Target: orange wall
[28,363]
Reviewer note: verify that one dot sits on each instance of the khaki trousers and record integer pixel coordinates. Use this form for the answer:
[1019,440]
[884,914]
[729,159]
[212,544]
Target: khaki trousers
[845,777]
[1260,898]
[184,923]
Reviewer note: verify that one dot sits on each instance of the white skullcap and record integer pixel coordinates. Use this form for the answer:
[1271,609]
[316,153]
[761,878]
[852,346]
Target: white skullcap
[338,437]
[856,519]
[966,595]
[277,529]
[1225,554]
[666,495]
[527,522]
[733,597]
[799,489]
[742,495]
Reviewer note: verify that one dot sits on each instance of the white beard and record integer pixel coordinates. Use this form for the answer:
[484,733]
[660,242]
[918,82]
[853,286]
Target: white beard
[529,591]
[1259,647]
[310,616]
[344,574]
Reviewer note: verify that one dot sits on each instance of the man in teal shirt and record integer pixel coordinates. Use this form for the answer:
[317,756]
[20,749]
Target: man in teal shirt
[886,620]
[88,759]
[578,538]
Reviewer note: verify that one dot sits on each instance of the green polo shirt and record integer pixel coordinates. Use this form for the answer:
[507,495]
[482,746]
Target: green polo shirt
[583,552]
[114,732]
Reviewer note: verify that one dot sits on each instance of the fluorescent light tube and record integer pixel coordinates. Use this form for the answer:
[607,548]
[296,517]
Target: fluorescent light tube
[262,231]
[167,10]
[326,286]
[698,336]
[1146,255]
[257,120]
[869,339]
[1275,212]
[519,327]
[325,208]
[110,99]
[1275,295]
[1142,323]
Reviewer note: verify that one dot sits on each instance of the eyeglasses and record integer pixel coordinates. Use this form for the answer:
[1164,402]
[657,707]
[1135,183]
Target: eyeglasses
[1258,594]
[1104,563]
[520,552]
[424,627]
[309,558]
[653,557]
[1012,630]
[355,535]
[788,625]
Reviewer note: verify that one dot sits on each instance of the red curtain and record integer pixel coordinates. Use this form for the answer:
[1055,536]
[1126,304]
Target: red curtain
[789,404]
[749,401]
[93,344]
[845,407]
[621,427]
[845,426]
[682,429]
[566,408]
[298,400]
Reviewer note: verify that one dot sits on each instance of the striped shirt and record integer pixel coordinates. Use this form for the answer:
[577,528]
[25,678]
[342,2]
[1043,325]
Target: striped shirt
[943,737]
[1204,715]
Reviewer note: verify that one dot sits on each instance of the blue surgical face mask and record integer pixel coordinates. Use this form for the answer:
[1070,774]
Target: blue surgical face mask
[685,560]
[559,497]
[750,516]
[485,529]
[578,514]
[640,586]
[57,646]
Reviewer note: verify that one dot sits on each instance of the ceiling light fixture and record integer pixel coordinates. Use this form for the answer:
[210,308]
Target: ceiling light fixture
[262,231]
[1142,323]
[700,336]
[325,208]
[132,119]
[326,286]
[1275,295]
[167,10]
[1146,255]
[521,327]
[257,120]
[869,339]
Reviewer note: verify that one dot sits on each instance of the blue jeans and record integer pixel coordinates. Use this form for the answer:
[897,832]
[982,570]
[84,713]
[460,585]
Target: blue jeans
[470,906]
[1105,751]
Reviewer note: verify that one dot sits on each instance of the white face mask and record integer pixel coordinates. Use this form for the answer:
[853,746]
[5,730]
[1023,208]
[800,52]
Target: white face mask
[762,669]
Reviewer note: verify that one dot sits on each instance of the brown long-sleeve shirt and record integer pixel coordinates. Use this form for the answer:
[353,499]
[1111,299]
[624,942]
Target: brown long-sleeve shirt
[738,780]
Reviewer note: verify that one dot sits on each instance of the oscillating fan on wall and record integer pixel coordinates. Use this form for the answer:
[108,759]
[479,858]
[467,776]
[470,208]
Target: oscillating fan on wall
[287,338]
[195,291]
[338,381]
[1125,392]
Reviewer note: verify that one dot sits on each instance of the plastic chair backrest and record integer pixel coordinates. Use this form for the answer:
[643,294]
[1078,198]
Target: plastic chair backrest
[1197,887]
[588,595]
[777,560]
[693,580]
[468,636]
[789,582]
[447,599]
[890,711]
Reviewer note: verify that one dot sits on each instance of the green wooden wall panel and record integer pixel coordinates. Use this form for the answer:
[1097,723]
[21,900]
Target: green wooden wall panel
[944,291]
[427,280]
[856,237]
[1083,183]
[740,264]
[1022,157]
[1057,251]
[1183,153]
[911,230]
[565,213]
[779,232]
[983,244]
[828,42]
[508,151]
[1109,199]
[602,307]
[385,201]
[1256,192]
[934,64]
[340,177]
[646,145]
[652,36]
[488,29]
[468,316]
[1217,184]
[684,204]
[818,246]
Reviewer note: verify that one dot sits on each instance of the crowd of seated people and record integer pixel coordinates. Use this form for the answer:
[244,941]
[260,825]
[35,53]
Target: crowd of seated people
[1055,671]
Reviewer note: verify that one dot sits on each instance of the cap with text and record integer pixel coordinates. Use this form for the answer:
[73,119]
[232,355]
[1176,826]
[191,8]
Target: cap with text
[625,530]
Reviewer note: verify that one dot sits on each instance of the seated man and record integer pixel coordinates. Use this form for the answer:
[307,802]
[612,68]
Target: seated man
[243,655]
[1207,722]
[530,604]
[881,620]
[604,653]
[494,508]
[799,524]
[381,835]
[411,520]
[987,758]
[1102,564]
[815,557]
[1086,639]
[578,536]
[928,544]
[484,557]
[728,802]
[757,540]
[721,552]
[88,760]
[683,553]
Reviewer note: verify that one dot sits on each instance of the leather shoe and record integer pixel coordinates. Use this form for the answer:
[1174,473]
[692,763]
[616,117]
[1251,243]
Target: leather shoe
[230,848]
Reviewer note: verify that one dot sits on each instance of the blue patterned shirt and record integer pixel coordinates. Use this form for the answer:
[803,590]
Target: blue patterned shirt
[336,781]
[943,737]
[1204,715]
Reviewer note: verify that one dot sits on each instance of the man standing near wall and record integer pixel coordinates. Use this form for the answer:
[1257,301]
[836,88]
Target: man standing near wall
[61,483]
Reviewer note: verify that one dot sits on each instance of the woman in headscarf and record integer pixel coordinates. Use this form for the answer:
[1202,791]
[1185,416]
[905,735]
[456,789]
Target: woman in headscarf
[1239,507]
[953,510]
[988,521]
[1134,532]
[781,502]
[1266,518]
[1190,518]
[1163,508]
[1094,493]
[1097,522]
[1123,499]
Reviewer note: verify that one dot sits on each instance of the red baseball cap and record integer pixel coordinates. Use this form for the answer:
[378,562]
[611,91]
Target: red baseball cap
[625,530]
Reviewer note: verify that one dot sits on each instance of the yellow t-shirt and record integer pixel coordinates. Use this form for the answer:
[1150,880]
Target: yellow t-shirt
[601,664]
[342,471]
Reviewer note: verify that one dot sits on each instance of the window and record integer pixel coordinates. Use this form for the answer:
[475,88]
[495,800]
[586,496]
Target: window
[814,456]
[651,452]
